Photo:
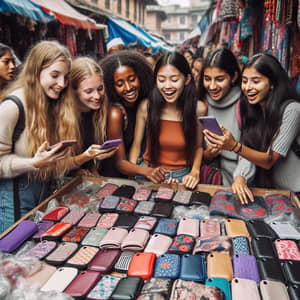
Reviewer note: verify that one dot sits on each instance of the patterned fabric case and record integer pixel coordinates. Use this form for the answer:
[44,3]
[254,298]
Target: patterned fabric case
[287,249]
[167,266]
[157,285]
[126,205]
[145,222]
[109,204]
[214,243]
[164,194]
[166,226]
[41,249]
[107,220]
[107,190]
[278,204]
[76,234]
[182,244]
[144,208]
[142,194]
[240,245]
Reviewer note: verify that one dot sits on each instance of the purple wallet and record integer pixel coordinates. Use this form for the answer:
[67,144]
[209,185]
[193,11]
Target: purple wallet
[18,236]
[245,267]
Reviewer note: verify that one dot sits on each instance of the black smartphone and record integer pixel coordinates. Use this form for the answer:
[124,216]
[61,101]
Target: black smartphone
[211,123]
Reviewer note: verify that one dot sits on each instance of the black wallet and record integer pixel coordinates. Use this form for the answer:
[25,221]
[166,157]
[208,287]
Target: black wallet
[128,288]
[263,247]
[259,228]
[124,190]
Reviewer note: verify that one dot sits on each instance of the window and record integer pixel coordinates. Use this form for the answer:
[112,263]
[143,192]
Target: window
[95,1]
[194,18]
[119,6]
[169,19]
[167,36]
[181,36]
[127,8]
[182,20]
[107,4]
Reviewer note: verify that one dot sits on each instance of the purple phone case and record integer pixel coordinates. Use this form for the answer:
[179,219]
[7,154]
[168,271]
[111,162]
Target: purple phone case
[211,124]
[245,267]
[43,226]
[111,143]
[18,236]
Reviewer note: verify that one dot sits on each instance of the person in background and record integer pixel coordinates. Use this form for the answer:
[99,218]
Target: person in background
[174,137]
[128,79]
[219,87]
[270,138]
[115,45]
[189,56]
[196,69]
[87,87]
[150,58]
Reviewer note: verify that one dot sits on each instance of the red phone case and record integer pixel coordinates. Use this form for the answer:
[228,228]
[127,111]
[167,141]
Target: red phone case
[142,265]
[57,213]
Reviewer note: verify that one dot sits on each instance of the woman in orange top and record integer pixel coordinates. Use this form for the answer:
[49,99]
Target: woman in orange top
[174,136]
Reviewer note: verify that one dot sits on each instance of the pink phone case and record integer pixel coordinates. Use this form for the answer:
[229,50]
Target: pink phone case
[82,257]
[142,194]
[135,240]
[209,229]
[273,290]
[89,220]
[113,238]
[61,253]
[245,289]
[107,220]
[287,249]
[74,216]
[107,190]
[158,244]
[188,226]
[145,222]
[41,249]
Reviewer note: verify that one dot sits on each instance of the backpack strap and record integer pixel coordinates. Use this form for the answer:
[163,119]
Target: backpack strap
[20,126]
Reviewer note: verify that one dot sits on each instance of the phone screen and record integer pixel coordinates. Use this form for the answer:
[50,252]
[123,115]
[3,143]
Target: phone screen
[210,123]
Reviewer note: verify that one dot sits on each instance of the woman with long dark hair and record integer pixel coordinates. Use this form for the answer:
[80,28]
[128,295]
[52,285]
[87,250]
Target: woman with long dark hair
[270,114]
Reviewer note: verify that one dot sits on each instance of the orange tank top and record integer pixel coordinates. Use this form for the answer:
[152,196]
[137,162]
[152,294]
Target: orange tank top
[172,146]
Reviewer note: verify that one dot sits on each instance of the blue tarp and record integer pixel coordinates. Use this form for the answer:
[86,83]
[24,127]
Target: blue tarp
[131,33]
[25,8]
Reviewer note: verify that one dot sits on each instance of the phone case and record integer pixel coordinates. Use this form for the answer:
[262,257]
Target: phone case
[154,286]
[18,236]
[235,227]
[146,222]
[182,244]
[209,229]
[82,284]
[270,269]
[94,237]
[287,249]
[76,234]
[240,245]
[124,190]
[215,243]
[188,226]
[273,290]
[82,257]
[126,205]
[259,228]
[263,247]
[158,244]
[244,289]
[162,209]
[166,226]
[113,238]
[285,230]
[291,271]
[164,194]
[39,278]
[60,279]
[123,261]
[254,210]
[109,204]
[142,194]
[136,240]
[222,284]
[182,197]
[111,143]
[219,265]
[107,220]
[211,123]
[41,249]
[57,213]
[63,252]
[107,190]
[43,226]
[142,265]
[294,292]
[56,231]
[245,266]
[167,266]
[144,208]
[192,268]
[104,260]
[128,288]
[74,216]
[89,220]
[200,198]
[104,288]
[126,221]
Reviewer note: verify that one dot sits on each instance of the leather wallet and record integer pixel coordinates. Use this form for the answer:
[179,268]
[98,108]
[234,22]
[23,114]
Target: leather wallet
[57,213]
[162,209]
[287,249]
[182,244]
[107,220]
[188,226]
[124,190]
[222,284]
[142,194]
[104,260]
[270,269]
[273,290]
[43,226]
[94,236]
[240,245]
[18,236]
[245,289]
[263,247]
[259,228]
[126,221]
[142,265]
[62,253]
[135,240]
[245,266]
[144,208]
[123,261]
[182,197]
[113,238]
[167,266]
[164,194]
[192,268]
[158,244]
[145,222]
[209,229]
[166,226]
[291,271]
[235,227]
[126,205]
[128,288]
[219,265]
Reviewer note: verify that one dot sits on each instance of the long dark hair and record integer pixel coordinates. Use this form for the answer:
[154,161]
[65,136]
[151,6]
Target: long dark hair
[264,122]
[186,104]
[223,59]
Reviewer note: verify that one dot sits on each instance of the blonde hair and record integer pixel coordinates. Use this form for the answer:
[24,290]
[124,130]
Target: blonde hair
[83,68]
[46,120]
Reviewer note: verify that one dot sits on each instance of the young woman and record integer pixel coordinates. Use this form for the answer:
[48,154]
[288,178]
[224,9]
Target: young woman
[271,127]
[86,82]
[174,138]
[7,65]
[128,80]
[219,86]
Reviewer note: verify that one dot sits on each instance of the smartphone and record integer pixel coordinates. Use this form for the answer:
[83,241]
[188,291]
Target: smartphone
[211,123]
[111,143]
[64,144]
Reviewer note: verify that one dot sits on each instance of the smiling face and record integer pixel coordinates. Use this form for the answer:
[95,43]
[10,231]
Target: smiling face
[7,67]
[127,84]
[170,82]
[54,78]
[255,86]
[90,93]
[216,82]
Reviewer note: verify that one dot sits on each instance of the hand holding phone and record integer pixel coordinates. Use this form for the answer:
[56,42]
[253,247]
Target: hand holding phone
[210,123]
[111,143]
[63,145]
